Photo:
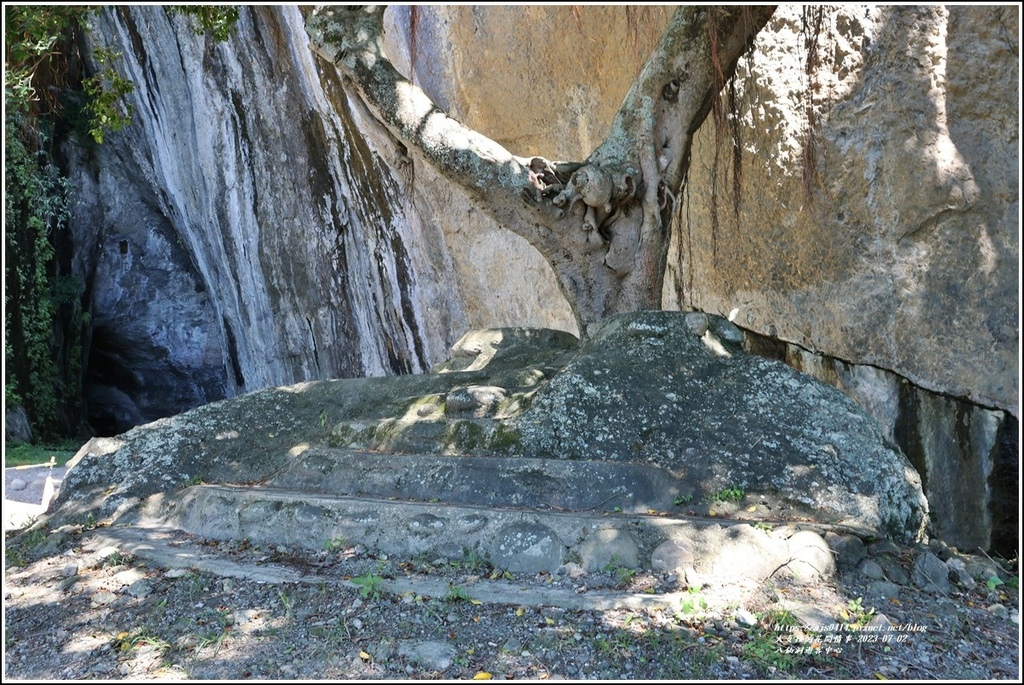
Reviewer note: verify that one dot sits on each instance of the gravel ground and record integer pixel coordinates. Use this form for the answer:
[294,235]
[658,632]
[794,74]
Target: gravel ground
[74,610]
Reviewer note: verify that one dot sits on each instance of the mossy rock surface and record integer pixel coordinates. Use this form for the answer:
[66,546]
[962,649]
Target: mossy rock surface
[666,389]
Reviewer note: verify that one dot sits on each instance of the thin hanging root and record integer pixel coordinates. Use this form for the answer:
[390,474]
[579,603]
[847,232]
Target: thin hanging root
[665,196]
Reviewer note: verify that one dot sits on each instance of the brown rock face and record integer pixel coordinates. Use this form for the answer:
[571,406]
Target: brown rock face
[900,249]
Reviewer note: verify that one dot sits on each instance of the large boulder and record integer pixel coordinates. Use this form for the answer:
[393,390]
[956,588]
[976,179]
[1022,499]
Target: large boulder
[677,391]
[728,433]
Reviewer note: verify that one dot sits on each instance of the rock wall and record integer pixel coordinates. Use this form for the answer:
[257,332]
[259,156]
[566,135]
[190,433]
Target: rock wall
[889,235]
[255,228]
[242,232]
[895,257]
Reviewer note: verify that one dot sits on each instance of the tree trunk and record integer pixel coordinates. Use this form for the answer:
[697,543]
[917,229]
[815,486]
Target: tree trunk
[603,224]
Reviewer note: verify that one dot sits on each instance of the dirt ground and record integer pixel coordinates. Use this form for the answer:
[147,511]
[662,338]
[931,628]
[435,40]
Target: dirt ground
[76,607]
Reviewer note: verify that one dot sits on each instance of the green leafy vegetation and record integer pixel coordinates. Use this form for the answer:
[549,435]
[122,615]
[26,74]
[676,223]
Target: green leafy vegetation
[692,602]
[993,582]
[456,593]
[370,585]
[335,544]
[728,495]
[28,455]
[856,614]
[623,574]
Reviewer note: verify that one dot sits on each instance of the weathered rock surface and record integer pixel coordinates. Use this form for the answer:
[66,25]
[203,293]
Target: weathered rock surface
[207,275]
[900,248]
[709,432]
[242,233]
[16,426]
[968,456]
[645,388]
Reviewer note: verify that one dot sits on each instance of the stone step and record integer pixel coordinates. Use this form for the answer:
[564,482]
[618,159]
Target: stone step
[568,485]
[519,540]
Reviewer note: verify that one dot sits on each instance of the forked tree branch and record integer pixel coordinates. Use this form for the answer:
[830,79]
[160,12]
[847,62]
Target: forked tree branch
[602,224]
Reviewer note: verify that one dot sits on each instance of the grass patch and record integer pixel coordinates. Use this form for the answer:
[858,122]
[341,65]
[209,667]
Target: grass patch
[24,454]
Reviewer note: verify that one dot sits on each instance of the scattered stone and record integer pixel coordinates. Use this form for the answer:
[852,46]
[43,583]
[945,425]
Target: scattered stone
[140,589]
[429,655]
[810,556]
[879,623]
[105,552]
[571,569]
[998,610]
[527,548]
[693,579]
[69,570]
[745,618]
[103,598]
[894,570]
[176,573]
[981,569]
[814,618]
[939,549]
[512,645]
[382,650]
[727,332]
[871,569]
[848,549]
[883,547]
[609,548]
[127,577]
[697,323]
[479,401]
[958,572]
[930,573]
[883,589]
[18,484]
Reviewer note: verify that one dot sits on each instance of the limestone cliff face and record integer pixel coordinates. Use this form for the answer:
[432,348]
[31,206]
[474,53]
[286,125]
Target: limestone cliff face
[899,250]
[254,228]
[539,80]
[895,258]
[242,232]
[888,237]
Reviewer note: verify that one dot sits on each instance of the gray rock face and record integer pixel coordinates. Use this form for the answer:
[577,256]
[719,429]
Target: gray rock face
[645,388]
[968,455]
[428,655]
[242,233]
[16,426]
[676,420]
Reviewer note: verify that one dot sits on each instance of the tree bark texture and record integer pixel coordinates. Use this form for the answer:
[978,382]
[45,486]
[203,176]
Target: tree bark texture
[602,223]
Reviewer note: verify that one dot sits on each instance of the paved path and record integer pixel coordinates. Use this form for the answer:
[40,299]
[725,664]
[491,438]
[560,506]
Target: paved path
[23,492]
